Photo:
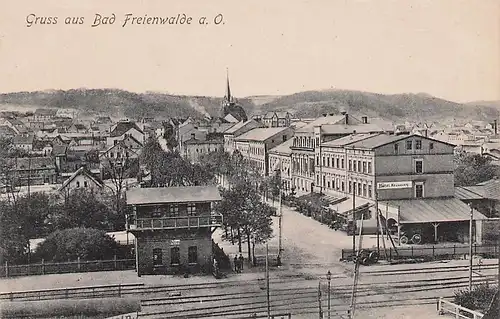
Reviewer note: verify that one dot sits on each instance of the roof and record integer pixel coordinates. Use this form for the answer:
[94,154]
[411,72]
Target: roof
[491,188]
[46,112]
[196,141]
[464,193]
[82,171]
[59,150]
[346,140]
[80,126]
[23,139]
[283,148]
[355,128]
[335,119]
[429,210]
[384,139]
[159,195]
[261,134]
[238,125]
[6,131]
[122,128]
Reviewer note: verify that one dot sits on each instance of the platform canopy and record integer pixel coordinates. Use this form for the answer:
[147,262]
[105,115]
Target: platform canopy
[345,206]
[429,210]
[160,195]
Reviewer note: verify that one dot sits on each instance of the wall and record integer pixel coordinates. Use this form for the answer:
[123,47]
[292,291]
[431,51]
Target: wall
[163,240]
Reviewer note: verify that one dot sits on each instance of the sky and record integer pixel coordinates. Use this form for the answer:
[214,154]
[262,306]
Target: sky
[447,48]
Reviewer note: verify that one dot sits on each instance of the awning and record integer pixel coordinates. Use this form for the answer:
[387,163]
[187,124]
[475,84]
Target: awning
[346,206]
[432,210]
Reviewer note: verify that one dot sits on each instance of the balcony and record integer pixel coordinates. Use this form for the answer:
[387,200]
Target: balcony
[214,220]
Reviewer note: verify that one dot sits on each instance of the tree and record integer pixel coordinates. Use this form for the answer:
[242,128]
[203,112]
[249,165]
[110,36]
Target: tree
[169,135]
[83,208]
[244,211]
[471,169]
[74,243]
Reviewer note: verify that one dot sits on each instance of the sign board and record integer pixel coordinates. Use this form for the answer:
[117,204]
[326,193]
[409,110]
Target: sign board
[175,242]
[394,185]
[132,315]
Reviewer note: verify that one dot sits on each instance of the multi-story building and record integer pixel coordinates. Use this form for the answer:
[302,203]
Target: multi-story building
[307,141]
[43,115]
[123,129]
[173,228]
[280,159]
[409,176]
[32,171]
[277,119]
[237,130]
[193,149]
[254,145]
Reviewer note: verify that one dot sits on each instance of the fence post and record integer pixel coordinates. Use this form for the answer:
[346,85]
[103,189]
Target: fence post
[67,293]
[115,262]
[412,251]
[433,256]
[6,269]
[78,264]
[454,250]
[43,266]
[119,290]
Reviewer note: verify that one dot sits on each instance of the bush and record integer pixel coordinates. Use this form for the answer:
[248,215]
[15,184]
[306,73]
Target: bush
[69,244]
[478,299]
[102,307]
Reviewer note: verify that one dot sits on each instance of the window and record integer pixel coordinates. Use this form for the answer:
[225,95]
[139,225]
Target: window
[85,184]
[324,161]
[364,167]
[369,167]
[370,191]
[359,166]
[317,160]
[343,187]
[328,161]
[359,188]
[419,190]
[364,190]
[396,148]
[342,163]
[338,162]
[418,144]
[77,184]
[173,211]
[354,166]
[431,146]
[328,184]
[350,187]
[192,254]
[350,167]
[419,166]
[333,183]
[409,144]
[324,180]
[175,256]
[191,209]
[157,257]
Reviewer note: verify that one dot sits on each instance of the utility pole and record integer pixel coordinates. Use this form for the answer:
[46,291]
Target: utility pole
[470,247]
[280,248]
[353,218]
[267,283]
[378,220]
[329,278]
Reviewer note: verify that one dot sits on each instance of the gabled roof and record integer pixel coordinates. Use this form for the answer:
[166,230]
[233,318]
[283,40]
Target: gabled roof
[261,134]
[346,140]
[123,127]
[384,139]
[46,112]
[355,128]
[82,171]
[334,119]
[240,125]
[283,148]
[6,131]
[160,195]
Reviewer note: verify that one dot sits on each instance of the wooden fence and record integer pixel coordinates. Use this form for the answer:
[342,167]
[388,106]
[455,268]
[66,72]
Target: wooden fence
[435,252]
[446,307]
[43,268]
[73,293]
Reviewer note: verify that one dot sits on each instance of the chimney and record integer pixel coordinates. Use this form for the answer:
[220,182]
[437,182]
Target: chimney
[193,136]
[364,119]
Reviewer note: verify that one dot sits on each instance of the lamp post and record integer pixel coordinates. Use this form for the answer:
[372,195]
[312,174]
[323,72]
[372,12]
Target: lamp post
[329,277]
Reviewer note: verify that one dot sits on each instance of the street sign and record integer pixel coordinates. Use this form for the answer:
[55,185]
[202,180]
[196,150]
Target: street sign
[394,185]
[175,242]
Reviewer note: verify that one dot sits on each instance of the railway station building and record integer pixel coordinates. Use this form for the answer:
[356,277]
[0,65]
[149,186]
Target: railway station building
[173,227]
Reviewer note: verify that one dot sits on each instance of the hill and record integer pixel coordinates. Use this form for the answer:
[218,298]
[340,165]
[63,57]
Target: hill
[419,106]
[121,103]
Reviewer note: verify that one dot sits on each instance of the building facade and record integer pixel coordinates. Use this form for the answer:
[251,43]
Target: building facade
[193,149]
[173,228]
[280,160]
[254,145]
[237,130]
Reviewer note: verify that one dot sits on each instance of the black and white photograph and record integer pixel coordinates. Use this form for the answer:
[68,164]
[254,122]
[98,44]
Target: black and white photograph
[284,159]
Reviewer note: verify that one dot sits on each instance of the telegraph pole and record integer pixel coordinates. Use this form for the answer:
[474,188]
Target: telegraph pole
[267,283]
[354,218]
[470,247]
[280,248]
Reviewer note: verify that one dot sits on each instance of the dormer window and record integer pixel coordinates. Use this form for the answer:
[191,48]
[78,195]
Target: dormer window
[409,144]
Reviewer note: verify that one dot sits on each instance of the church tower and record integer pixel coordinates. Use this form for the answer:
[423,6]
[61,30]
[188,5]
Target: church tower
[230,106]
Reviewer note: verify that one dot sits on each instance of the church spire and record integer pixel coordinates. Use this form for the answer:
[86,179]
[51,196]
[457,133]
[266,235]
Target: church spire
[228,88]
